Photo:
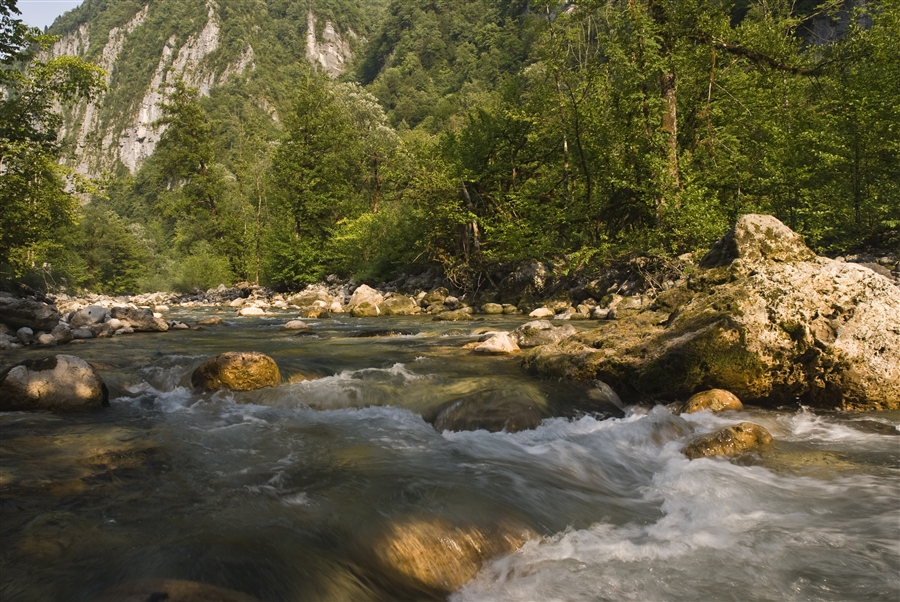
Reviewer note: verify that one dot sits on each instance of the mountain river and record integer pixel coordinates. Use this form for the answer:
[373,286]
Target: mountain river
[283,493]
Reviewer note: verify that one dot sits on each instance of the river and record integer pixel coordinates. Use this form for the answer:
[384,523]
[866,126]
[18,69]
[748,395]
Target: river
[283,493]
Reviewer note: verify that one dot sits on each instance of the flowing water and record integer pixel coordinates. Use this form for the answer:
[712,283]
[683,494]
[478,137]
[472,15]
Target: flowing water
[283,493]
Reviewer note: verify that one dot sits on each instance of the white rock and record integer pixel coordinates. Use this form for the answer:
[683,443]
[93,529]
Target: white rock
[252,311]
[500,343]
[542,312]
[295,325]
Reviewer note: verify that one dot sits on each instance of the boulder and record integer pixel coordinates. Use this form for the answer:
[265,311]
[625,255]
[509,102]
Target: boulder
[88,316]
[295,325]
[527,282]
[62,333]
[366,309]
[45,338]
[500,343]
[210,321]
[399,305]
[25,335]
[454,315]
[433,555]
[775,326]
[82,333]
[365,294]
[241,371]
[541,332]
[17,313]
[492,308]
[542,312]
[60,383]
[715,400]
[494,414]
[252,310]
[435,297]
[139,319]
[729,441]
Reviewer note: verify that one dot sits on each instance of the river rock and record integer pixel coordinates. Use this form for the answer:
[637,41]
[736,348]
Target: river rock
[499,413]
[542,312]
[139,319]
[295,325]
[454,315]
[436,296]
[17,313]
[241,371]
[492,308]
[88,316]
[729,441]
[433,555]
[45,338]
[25,335]
[82,333]
[210,321]
[62,333]
[500,343]
[399,305]
[171,590]
[60,383]
[715,400]
[252,311]
[368,296]
[541,332]
[775,326]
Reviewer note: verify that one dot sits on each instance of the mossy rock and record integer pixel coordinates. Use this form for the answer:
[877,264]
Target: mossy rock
[237,370]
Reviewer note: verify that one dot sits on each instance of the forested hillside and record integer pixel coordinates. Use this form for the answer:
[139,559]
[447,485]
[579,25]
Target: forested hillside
[466,135]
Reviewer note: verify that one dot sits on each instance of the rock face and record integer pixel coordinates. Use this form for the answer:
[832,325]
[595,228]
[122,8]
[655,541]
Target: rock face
[241,371]
[141,320]
[60,383]
[729,441]
[435,556]
[18,313]
[766,320]
[716,400]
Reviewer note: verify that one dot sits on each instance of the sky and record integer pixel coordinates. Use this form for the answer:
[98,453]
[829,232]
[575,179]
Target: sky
[41,13]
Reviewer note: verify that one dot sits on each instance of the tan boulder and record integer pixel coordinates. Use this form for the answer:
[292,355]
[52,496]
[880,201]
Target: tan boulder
[252,311]
[729,441]
[498,344]
[399,305]
[241,371]
[715,400]
[433,555]
[210,321]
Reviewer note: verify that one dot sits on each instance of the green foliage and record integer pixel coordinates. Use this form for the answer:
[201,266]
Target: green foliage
[202,269]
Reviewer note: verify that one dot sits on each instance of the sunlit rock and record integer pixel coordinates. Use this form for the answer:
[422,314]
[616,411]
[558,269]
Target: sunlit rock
[500,343]
[492,308]
[729,441]
[715,400]
[542,312]
[210,321]
[88,316]
[139,319]
[775,326]
[433,555]
[365,295]
[399,305]
[241,371]
[60,383]
[252,311]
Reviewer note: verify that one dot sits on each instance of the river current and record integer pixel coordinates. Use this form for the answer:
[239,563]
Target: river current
[280,493]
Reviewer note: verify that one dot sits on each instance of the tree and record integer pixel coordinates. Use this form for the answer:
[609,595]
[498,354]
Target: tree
[34,200]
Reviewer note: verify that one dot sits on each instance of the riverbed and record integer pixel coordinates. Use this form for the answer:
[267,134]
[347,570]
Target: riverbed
[283,493]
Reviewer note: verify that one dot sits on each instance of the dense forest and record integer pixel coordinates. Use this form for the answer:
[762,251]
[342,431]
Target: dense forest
[467,135]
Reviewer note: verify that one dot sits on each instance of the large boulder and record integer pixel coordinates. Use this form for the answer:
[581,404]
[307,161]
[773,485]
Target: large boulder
[139,319]
[365,301]
[88,316]
[59,383]
[500,343]
[238,370]
[17,313]
[433,555]
[541,332]
[714,400]
[399,305]
[767,320]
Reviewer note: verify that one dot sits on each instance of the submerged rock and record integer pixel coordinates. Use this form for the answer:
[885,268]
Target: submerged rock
[59,383]
[210,321]
[171,590]
[715,400]
[241,371]
[433,555]
[729,441]
[773,326]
